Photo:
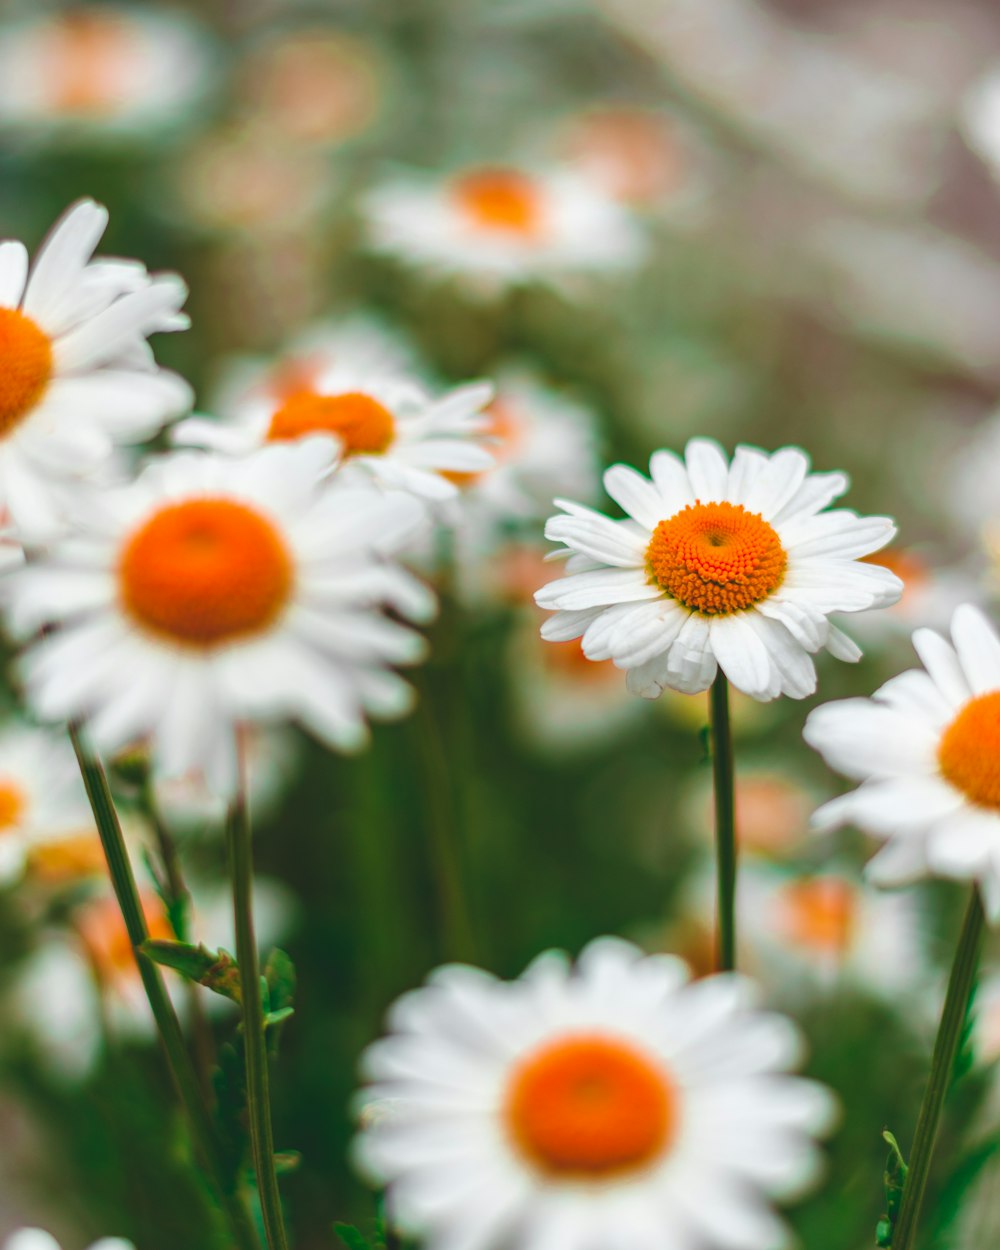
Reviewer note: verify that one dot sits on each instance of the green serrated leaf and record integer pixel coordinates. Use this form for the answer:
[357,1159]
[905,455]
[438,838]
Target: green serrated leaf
[352,1237]
[216,970]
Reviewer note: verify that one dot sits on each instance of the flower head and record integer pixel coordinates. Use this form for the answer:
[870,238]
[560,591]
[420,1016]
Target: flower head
[579,1106]
[76,373]
[926,748]
[496,226]
[214,592]
[732,566]
[354,389]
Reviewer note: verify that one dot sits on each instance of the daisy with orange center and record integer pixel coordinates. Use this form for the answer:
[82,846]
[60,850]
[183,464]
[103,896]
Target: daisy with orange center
[493,226]
[102,72]
[717,566]
[76,376]
[926,748]
[389,429]
[580,1105]
[46,828]
[216,592]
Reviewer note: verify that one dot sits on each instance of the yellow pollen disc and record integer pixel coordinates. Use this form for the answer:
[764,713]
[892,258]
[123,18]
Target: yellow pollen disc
[969,751]
[590,1106]
[12,805]
[205,572]
[25,367]
[360,422]
[716,558]
[820,914]
[500,200]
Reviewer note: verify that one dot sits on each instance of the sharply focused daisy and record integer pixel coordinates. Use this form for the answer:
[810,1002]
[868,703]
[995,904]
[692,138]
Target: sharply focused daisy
[588,1108]
[717,566]
[45,820]
[926,748]
[217,591]
[102,72]
[389,428]
[496,226]
[76,373]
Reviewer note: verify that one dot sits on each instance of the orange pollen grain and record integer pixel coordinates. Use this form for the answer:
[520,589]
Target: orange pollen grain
[205,572]
[590,1106]
[12,805]
[25,367]
[361,423]
[969,750]
[716,558]
[500,200]
[820,914]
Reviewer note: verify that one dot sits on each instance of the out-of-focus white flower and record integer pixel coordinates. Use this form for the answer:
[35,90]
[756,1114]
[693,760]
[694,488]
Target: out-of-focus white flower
[980,120]
[986,1018]
[494,227]
[105,73]
[772,811]
[387,427]
[38,1239]
[76,374]
[78,982]
[45,821]
[926,748]
[589,1106]
[313,85]
[717,565]
[930,596]
[215,592]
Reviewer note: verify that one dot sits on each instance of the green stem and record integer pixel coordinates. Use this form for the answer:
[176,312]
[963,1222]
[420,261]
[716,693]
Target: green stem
[953,1015]
[127,893]
[254,1041]
[725,824]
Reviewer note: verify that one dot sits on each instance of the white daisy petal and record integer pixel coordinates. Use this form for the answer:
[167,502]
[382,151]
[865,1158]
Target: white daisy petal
[707,470]
[13,272]
[978,649]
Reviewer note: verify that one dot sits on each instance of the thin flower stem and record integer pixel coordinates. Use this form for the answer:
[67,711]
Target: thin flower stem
[953,1016]
[254,1041]
[725,824]
[127,893]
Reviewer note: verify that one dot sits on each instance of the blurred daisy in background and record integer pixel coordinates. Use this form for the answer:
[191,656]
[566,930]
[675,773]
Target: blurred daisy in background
[498,226]
[386,426]
[214,592]
[925,748]
[76,374]
[38,1239]
[583,1106]
[931,593]
[80,987]
[980,120]
[45,819]
[104,73]
[772,811]
[717,565]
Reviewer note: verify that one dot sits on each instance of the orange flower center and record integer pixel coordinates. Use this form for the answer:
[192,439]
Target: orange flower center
[499,200]
[361,423]
[820,914]
[106,938]
[716,558]
[89,54]
[25,367]
[969,751]
[77,855]
[205,572]
[12,805]
[590,1106]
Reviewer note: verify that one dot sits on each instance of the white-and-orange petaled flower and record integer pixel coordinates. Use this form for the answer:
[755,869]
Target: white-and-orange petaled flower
[76,373]
[926,749]
[214,592]
[590,1107]
[717,565]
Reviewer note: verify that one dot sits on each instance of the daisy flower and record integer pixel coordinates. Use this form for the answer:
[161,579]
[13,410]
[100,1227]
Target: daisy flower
[733,566]
[102,72]
[498,226]
[388,428]
[217,591]
[772,811]
[926,748]
[76,373]
[586,1108]
[45,820]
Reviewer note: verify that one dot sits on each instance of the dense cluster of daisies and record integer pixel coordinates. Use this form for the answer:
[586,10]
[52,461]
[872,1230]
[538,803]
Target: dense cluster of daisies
[268,568]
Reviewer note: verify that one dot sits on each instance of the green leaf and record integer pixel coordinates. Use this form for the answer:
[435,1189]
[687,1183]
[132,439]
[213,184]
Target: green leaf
[216,970]
[893,1182]
[352,1237]
[274,1018]
[279,973]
